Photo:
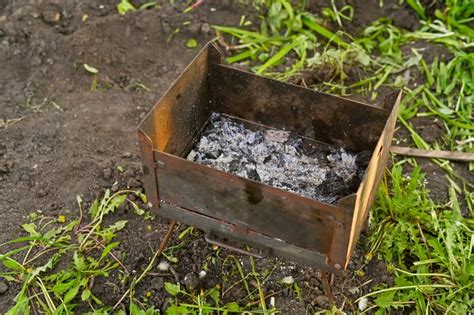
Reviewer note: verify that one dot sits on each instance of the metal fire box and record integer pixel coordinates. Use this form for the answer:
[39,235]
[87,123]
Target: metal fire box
[235,208]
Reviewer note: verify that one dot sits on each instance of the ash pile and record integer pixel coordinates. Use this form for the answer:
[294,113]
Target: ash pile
[280,159]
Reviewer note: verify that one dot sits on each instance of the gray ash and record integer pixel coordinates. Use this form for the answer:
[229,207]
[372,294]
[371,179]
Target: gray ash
[278,158]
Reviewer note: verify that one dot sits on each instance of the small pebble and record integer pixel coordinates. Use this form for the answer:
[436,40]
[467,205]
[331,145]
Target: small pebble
[322,301]
[107,173]
[51,16]
[163,266]
[205,28]
[191,281]
[114,188]
[354,290]
[3,287]
[363,302]
[288,280]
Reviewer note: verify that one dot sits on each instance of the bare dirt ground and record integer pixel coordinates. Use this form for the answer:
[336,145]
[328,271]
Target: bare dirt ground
[59,140]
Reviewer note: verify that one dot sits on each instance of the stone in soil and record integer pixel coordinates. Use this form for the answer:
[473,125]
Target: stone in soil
[191,281]
[3,287]
[278,158]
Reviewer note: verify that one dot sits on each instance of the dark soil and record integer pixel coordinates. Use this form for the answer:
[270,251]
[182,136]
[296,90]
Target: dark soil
[59,140]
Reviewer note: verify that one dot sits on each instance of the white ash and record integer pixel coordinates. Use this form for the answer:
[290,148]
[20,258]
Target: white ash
[277,158]
[163,266]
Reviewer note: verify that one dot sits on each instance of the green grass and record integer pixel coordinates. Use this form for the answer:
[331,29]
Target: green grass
[57,262]
[428,247]
[291,39]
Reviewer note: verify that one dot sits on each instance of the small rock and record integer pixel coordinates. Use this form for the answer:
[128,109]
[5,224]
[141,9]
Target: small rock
[163,266]
[288,280]
[431,133]
[363,302]
[131,182]
[102,10]
[128,174]
[114,188]
[5,167]
[166,28]
[127,155]
[322,301]
[107,173]
[205,28]
[41,193]
[51,16]
[191,281]
[35,61]
[157,283]
[354,290]
[3,287]
[194,28]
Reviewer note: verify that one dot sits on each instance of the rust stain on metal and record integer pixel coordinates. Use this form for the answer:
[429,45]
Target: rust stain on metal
[280,222]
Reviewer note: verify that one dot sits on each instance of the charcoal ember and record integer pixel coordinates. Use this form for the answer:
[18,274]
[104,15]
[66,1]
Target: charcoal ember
[278,158]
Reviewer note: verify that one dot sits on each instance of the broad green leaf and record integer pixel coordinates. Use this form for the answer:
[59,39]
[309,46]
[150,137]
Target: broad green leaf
[94,209]
[233,306]
[135,310]
[142,196]
[79,262]
[63,287]
[137,209]
[51,234]
[107,250]
[172,288]
[384,299]
[191,43]
[215,295]
[116,202]
[125,6]
[71,294]
[30,228]
[177,310]
[117,226]
[12,264]
[50,264]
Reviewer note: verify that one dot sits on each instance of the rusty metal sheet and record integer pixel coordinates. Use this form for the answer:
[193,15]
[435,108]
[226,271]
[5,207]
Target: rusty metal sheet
[227,197]
[319,116]
[183,109]
[373,175]
[270,245]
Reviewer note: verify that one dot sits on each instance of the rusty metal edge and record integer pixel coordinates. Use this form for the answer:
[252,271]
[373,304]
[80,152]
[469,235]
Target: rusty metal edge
[354,235]
[149,169]
[209,46]
[305,88]
[273,246]
[330,210]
